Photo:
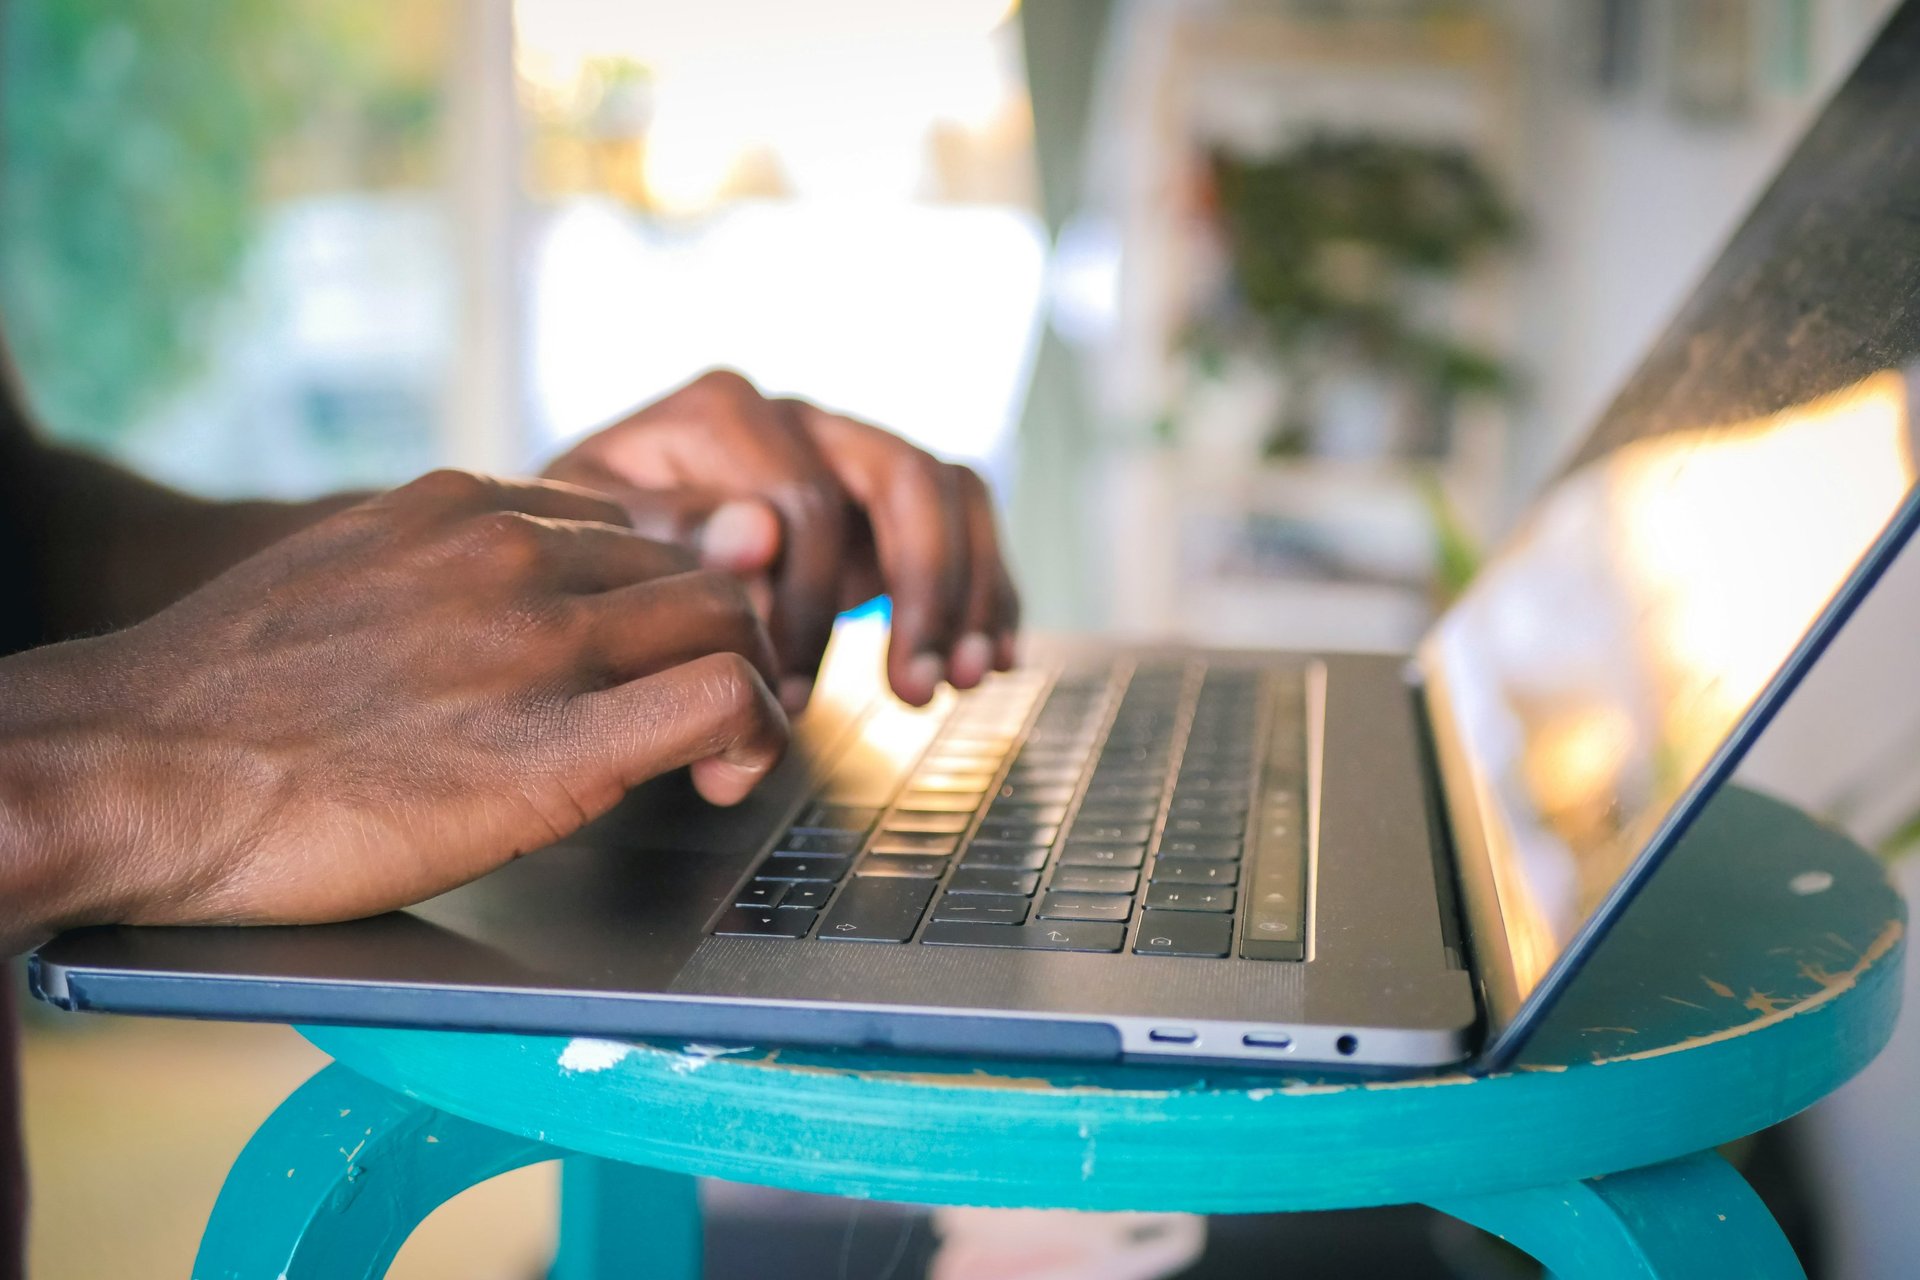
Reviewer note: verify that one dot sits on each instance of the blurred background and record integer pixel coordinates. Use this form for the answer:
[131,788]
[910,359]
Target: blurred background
[1262,316]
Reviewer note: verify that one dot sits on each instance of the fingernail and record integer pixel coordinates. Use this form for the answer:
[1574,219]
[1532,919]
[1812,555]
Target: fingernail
[736,535]
[795,693]
[926,672]
[972,657]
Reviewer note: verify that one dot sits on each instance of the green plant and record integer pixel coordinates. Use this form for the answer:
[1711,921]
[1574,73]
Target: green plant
[137,138]
[1330,245]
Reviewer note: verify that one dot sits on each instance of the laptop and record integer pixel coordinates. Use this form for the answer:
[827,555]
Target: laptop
[1389,864]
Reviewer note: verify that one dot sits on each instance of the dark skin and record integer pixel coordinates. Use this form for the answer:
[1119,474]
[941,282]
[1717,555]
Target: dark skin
[399,694]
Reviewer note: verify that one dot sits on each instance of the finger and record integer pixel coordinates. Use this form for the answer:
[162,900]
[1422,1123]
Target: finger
[649,627]
[587,557]
[913,505]
[740,535]
[814,514]
[991,613]
[445,491]
[714,713]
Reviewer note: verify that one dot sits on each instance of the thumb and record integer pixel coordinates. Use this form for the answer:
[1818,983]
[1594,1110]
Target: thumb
[741,535]
[738,535]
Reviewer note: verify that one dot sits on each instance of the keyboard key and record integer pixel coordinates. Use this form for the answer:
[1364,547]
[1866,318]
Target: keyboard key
[1005,857]
[953,783]
[809,895]
[1038,815]
[921,842]
[1199,783]
[1063,774]
[1193,871]
[1103,855]
[986,763]
[1040,793]
[947,823]
[1147,781]
[1201,806]
[1183,933]
[820,842]
[837,817]
[876,909]
[1095,880]
[782,866]
[1105,810]
[1221,825]
[1118,756]
[1203,759]
[939,802]
[1185,897]
[1013,832]
[1112,832]
[982,908]
[1042,936]
[1209,849]
[1018,884]
[903,865]
[1060,905]
[761,892]
[764,922]
[1102,792]
[977,740]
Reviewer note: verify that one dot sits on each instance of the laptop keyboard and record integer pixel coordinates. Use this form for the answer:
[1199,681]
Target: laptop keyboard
[1155,809]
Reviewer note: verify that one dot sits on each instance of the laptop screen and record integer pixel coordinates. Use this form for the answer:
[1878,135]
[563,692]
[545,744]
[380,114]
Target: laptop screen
[1623,645]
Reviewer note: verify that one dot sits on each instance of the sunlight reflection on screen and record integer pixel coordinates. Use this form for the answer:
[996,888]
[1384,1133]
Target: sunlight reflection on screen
[1598,664]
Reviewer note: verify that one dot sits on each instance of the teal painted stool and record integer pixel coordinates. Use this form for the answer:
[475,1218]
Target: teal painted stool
[1761,971]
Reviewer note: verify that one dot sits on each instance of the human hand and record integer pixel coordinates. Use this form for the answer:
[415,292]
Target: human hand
[826,512]
[382,707]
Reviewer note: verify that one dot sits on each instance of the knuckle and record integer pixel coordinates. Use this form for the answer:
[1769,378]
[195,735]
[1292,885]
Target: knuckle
[724,386]
[449,485]
[941,477]
[508,538]
[737,680]
[967,480]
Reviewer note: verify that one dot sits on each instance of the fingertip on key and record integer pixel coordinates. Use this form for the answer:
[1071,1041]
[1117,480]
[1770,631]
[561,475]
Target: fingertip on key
[923,676]
[972,659]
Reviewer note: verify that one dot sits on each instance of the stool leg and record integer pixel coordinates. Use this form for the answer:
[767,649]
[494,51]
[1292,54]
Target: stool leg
[626,1222]
[1694,1217]
[340,1174]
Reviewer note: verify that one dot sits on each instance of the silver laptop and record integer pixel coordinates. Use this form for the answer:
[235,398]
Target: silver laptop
[1257,858]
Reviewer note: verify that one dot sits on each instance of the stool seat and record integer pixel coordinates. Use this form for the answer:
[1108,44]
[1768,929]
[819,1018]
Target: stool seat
[1758,972]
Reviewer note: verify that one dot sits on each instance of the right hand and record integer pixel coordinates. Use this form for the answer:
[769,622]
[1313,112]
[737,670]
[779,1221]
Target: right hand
[382,707]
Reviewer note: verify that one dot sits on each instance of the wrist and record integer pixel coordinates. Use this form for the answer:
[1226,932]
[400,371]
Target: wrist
[58,864]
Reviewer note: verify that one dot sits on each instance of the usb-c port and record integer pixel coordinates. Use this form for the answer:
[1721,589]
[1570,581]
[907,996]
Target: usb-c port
[1267,1040]
[1173,1035]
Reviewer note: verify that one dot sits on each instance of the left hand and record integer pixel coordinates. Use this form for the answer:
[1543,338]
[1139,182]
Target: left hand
[827,512]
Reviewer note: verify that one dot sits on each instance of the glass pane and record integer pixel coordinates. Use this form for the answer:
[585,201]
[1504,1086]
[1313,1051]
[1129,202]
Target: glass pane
[222,244]
[835,199]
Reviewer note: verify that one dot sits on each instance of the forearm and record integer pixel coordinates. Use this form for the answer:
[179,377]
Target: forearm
[112,548]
